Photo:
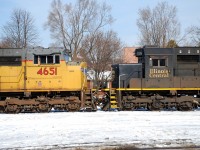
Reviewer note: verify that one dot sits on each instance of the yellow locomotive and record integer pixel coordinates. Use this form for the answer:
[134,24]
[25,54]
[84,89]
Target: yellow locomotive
[39,79]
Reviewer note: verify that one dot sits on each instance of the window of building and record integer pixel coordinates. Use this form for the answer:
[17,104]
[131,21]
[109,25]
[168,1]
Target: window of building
[46,59]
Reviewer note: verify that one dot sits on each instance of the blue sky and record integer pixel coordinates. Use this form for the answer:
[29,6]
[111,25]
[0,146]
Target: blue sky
[125,13]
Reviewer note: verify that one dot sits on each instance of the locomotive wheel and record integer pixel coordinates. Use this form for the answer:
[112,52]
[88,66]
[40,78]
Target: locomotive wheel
[2,109]
[59,109]
[170,106]
[12,109]
[185,106]
[73,106]
[128,106]
[33,110]
[44,108]
[127,109]
[133,106]
[156,105]
[149,107]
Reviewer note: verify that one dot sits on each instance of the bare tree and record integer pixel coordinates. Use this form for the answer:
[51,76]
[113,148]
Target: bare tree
[70,24]
[100,51]
[194,35]
[159,25]
[5,43]
[20,30]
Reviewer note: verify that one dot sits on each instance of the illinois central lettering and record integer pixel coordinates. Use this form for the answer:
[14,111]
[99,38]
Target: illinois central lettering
[159,73]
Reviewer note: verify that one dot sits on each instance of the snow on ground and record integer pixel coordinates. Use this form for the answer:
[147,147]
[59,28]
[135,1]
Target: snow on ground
[144,129]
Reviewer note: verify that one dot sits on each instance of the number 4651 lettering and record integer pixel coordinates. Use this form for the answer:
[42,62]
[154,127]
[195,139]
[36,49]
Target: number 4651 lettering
[47,71]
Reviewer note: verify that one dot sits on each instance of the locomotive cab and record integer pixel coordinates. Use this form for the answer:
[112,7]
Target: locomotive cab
[123,73]
[158,67]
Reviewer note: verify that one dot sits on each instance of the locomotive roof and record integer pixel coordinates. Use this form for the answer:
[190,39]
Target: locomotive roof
[168,51]
[45,51]
[158,51]
[36,51]
[11,52]
[187,50]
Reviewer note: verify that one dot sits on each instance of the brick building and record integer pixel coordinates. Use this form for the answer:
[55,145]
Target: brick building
[128,55]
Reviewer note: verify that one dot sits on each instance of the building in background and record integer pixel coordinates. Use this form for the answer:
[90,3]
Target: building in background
[128,55]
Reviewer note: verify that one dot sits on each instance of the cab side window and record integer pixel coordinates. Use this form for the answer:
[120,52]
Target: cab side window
[57,59]
[154,62]
[46,59]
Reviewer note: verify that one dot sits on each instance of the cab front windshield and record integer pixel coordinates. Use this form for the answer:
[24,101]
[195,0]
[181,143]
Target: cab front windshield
[67,56]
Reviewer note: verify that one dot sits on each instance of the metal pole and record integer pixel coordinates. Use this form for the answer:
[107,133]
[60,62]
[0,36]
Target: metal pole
[119,88]
[120,80]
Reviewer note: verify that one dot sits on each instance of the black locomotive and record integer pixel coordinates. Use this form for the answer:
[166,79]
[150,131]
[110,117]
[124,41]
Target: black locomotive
[163,78]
